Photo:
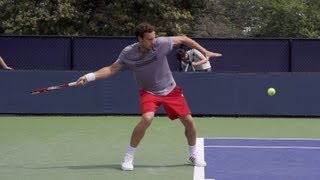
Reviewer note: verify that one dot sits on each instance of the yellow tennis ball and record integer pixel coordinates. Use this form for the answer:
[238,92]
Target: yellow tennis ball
[271,91]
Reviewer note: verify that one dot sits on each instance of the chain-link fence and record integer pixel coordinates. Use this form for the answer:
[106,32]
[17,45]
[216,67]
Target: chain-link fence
[91,53]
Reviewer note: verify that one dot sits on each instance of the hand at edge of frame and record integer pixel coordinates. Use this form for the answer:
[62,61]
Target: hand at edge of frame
[8,68]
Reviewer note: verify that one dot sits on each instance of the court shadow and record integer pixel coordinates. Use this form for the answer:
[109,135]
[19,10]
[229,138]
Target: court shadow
[159,166]
[102,166]
[110,166]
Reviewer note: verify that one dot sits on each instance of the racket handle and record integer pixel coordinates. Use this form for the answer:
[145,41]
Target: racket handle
[72,84]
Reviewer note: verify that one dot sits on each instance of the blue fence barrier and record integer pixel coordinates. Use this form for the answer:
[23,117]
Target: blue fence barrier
[91,53]
[207,93]
[237,85]
[305,55]
[37,53]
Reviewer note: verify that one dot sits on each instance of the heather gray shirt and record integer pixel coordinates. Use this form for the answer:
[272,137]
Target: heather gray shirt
[152,72]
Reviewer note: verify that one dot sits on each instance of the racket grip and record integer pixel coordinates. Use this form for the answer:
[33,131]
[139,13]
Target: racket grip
[72,84]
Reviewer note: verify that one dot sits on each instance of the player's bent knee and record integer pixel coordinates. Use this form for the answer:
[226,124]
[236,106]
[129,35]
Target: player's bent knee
[148,116]
[147,119]
[187,119]
[188,122]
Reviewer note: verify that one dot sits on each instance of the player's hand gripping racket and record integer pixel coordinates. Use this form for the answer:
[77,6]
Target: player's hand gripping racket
[46,89]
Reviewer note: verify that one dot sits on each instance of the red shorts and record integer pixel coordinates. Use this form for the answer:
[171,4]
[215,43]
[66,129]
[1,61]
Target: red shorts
[174,104]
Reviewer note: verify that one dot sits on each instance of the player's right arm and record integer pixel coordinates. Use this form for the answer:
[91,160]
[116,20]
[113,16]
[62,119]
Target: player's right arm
[105,72]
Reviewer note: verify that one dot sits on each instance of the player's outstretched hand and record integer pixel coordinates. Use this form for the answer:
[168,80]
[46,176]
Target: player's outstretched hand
[82,81]
[86,78]
[210,54]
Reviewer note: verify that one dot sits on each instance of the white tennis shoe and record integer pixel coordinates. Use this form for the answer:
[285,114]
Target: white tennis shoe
[196,161]
[127,163]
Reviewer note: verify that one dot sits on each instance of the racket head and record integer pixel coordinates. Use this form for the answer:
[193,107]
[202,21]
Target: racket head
[38,91]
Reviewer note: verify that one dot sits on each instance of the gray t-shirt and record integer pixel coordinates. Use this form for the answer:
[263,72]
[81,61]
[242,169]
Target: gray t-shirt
[152,72]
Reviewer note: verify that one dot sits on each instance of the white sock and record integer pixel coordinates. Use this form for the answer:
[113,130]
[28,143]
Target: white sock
[131,150]
[192,151]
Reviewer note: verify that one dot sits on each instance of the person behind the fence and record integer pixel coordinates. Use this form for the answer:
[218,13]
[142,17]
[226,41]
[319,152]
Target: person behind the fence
[194,60]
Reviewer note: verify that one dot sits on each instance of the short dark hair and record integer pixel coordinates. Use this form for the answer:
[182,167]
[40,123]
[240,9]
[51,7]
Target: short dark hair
[181,53]
[144,28]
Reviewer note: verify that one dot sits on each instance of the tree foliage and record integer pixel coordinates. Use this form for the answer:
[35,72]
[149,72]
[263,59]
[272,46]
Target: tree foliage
[284,18]
[119,17]
[206,18]
[39,17]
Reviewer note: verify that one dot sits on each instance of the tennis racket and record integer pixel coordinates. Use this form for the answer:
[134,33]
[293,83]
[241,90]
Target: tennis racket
[60,86]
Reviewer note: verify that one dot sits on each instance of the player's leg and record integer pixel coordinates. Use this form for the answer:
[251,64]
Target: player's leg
[190,129]
[149,104]
[176,106]
[191,135]
[136,136]
[140,129]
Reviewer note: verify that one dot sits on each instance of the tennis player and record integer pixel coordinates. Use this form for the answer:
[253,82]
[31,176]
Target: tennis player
[147,59]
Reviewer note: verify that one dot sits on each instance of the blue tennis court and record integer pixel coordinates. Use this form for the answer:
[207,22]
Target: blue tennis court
[260,159]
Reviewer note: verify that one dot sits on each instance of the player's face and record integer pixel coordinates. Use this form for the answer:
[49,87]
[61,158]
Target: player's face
[148,40]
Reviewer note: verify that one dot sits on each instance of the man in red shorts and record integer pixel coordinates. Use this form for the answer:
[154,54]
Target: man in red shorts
[147,59]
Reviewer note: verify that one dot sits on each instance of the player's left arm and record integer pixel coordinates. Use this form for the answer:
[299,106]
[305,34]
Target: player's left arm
[202,58]
[178,40]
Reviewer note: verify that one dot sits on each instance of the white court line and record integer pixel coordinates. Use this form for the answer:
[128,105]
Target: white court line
[198,173]
[268,147]
[262,138]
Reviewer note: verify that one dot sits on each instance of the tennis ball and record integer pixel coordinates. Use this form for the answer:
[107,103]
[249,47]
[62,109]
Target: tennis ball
[271,91]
